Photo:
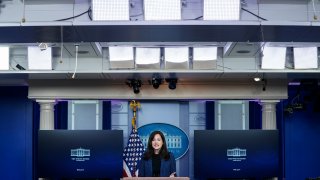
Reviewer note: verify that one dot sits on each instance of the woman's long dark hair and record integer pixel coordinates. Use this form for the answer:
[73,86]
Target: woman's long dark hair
[164,153]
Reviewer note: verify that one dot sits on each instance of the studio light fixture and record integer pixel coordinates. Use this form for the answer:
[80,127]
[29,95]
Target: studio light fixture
[162,9]
[172,83]
[135,84]
[261,81]
[39,59]
[221,10]
[110,10]
[305,57]
[4,58]
[257,79]
[205,57]
[121,57]
[156,82]
[176,57]
[148,58]
[273,57]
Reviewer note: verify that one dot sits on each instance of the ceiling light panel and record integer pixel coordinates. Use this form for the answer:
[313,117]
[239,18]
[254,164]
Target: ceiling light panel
[205,57]
[273,58]
[4,58]
[305,57]
[108,10]
[120,53]
[177,55]
[176,58]
[162,9]
[221,10]
[147,55]
[121,57]
[39,59]
[205,53]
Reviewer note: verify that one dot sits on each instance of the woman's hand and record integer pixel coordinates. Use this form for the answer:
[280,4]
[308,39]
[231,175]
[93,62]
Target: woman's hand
[173,174]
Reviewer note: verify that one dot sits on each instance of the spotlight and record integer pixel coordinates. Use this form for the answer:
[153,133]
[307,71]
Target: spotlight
[135,84]
[156,82]
[261,81]
[257,79]
[172,83]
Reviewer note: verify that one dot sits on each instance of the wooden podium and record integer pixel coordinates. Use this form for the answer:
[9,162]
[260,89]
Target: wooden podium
[156,178]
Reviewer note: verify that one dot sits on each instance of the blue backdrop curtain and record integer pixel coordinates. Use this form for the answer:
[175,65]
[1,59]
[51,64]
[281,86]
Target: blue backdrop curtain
[280,127]
[210,115]
[35,128]
[255,115]
[61,115]
[15,133]
[106,115]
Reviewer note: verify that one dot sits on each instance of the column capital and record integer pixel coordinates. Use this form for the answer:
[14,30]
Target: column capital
[269,119]
[46,113]
[46,101]
[273,101]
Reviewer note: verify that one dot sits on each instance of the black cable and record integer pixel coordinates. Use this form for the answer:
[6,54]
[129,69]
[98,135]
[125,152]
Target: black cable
[88,11]
[254,14]
[242,9]
[198,18]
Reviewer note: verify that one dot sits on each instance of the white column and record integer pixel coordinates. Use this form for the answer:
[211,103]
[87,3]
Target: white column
[269,118]
[46,114]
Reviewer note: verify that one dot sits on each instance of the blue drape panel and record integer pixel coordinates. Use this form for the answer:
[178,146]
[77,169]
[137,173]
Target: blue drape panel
[15,133]
[255,115]
[280,126]
[106,115]
[61,115]
[210,115]
[35,128]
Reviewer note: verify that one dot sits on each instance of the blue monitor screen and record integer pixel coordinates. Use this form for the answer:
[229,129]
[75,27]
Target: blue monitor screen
[236,153]
[80,153]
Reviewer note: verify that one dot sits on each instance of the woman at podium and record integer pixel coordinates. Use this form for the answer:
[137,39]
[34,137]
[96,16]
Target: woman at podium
[157,161]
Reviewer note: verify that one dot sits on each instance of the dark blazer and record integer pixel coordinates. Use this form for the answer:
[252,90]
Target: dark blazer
[167,167]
